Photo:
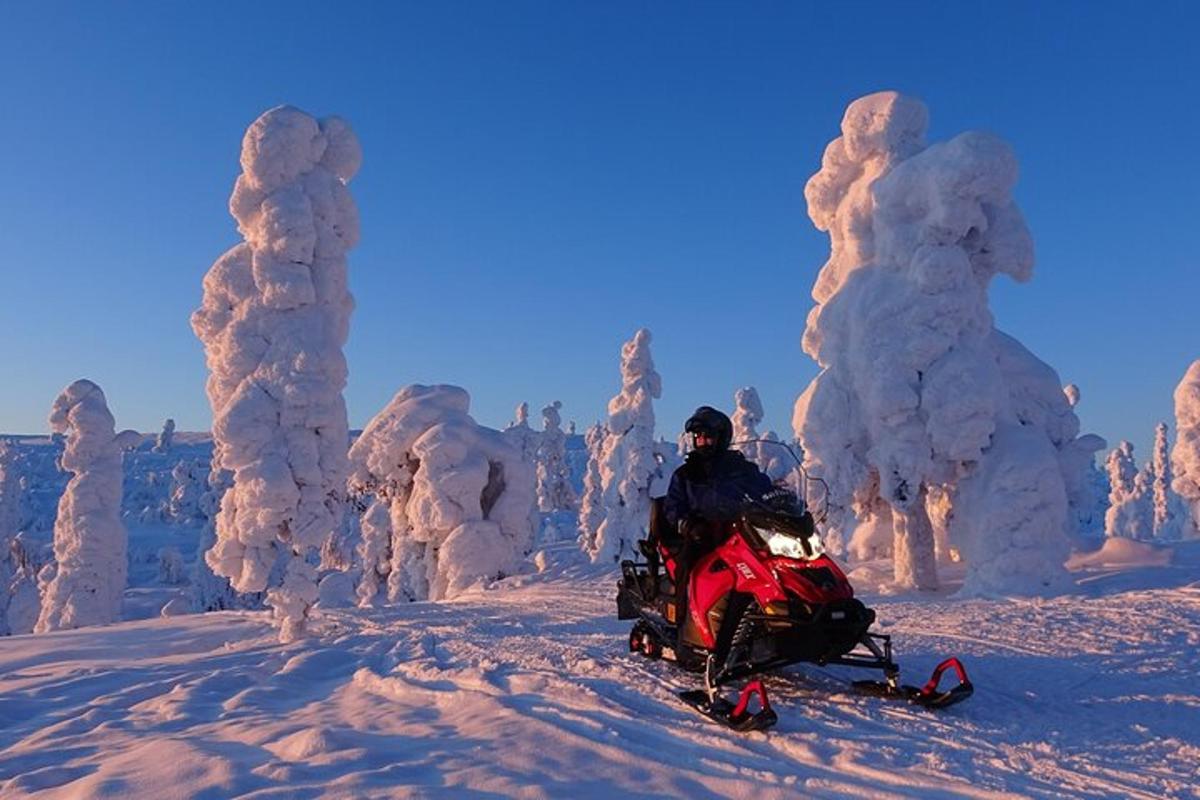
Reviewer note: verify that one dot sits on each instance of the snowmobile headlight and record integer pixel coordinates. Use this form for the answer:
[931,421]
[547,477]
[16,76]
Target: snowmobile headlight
[788,546]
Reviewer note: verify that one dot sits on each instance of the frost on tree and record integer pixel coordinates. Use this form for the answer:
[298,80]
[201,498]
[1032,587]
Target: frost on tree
[1185,455]
[89,539]
[918,391]
[449,500]
[554,490]
[628,464]
[1086,503]
[591,504]
[165,437]
[275,315]
[1130,508]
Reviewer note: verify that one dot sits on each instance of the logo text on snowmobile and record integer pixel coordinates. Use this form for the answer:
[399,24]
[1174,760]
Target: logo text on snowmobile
[744,568]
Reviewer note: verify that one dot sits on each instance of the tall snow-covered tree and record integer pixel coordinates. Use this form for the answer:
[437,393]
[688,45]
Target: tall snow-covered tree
[274,318]
[554,490]
[1168,514]
[591,505]
[747,413]
[90,541]
[449,499]
[917,388]
[628,464]
[1185,455]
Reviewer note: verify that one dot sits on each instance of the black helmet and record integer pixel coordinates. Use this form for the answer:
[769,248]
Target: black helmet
[709,420]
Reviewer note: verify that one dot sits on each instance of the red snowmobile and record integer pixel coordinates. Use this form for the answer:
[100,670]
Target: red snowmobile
[766,597]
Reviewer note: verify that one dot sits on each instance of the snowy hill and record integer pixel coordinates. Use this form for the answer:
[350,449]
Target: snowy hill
[525,689]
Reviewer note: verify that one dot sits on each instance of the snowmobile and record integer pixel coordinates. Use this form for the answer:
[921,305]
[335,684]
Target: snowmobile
[766,597]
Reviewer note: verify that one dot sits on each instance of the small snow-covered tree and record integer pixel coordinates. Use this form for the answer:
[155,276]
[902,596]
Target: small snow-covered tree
[188,483]
[554,490]
[89,540]
[1086,507]
[10,520]
[274,318]
[522,436]
[449,498]
[591,505]
[166,437]
[747,413]
[918,390]
[628,466]
[1185,455]
[1130,511]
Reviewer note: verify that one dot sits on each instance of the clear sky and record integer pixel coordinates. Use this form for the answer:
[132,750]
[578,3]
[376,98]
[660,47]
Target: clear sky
[541,179]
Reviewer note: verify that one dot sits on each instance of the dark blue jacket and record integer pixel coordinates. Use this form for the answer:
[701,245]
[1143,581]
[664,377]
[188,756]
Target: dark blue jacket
[713,488]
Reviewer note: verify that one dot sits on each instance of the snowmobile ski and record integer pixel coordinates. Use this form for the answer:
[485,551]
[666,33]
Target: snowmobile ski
[734,716]
[927,696]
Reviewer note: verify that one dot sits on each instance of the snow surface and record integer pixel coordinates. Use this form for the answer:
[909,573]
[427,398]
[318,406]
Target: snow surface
[526,690]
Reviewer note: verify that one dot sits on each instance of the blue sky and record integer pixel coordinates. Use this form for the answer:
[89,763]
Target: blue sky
[540,179]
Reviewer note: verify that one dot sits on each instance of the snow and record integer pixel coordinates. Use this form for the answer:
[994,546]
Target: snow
[274,317]
[1118,551]
[629,468]
[448,501]
[1185,455]
[526,690]
[86,583]
[591,503]
[919,395]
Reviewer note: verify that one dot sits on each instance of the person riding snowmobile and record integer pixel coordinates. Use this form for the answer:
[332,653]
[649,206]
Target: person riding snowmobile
[705,492]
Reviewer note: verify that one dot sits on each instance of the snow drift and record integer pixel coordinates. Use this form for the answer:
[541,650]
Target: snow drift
[448,501]
[275,314]
[919,394]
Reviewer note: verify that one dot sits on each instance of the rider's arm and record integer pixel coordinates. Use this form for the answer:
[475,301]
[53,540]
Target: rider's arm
[676,507]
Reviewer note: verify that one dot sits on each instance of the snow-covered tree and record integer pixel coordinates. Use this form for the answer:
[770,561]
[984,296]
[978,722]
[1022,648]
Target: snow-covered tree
[449,498]
[1185,455]
[918,389]
[591,505]
[10,520]
[628,466]
[1130,509]
[89,540]
[274,318]
[554,490]
[747,413]
[522,436]
[1169,514]
[188,484]
[1086,504]
[166,437]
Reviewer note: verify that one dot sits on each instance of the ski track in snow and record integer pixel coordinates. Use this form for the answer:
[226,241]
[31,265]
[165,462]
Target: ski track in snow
[526,690]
